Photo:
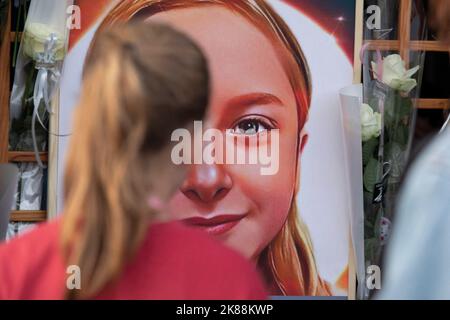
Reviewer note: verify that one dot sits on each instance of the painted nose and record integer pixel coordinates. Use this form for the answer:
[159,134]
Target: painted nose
[206,183]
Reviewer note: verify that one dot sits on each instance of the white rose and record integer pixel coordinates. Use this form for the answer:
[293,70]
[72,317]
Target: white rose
[395,74]
[35,37]
[370,123]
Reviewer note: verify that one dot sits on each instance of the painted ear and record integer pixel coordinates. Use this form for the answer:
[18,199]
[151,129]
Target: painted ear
[303,140]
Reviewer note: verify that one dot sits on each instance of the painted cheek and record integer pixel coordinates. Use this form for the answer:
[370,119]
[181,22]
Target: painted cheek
[177,208]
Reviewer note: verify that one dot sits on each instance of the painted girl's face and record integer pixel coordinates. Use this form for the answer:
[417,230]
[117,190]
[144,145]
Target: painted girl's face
[251,94]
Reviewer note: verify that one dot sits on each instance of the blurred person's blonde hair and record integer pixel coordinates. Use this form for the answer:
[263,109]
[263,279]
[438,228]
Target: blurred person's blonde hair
[288,262]
[140,82]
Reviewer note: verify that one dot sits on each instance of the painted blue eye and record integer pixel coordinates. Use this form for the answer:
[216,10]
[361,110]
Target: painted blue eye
[250,127]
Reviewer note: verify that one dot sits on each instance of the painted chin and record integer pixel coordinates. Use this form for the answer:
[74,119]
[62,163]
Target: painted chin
[247,239]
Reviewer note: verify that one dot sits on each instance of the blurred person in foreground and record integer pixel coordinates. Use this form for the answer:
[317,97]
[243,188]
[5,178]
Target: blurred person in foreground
[140,83]
[418,257]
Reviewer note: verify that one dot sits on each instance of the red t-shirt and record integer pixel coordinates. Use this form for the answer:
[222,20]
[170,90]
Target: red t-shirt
[174,262]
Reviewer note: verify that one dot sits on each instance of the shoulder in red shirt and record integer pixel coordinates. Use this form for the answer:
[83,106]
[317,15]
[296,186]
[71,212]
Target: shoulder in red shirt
[174,262]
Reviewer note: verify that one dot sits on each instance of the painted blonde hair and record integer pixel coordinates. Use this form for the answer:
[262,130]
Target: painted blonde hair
[140,82]
[288,262]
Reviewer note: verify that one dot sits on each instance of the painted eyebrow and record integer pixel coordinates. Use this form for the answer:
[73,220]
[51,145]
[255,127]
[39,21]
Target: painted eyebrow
[256,98]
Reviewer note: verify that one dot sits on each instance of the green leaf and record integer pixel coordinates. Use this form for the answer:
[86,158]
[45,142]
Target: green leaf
[368,148]
[371,174]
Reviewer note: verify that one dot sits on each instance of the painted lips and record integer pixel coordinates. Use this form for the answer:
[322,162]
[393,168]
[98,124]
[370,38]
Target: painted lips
[216,225]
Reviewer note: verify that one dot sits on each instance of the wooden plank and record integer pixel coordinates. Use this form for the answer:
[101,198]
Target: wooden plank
[5,52]
[12,36]
[394,45]
[52,185]
[433,104]
[28,216]
[18,156]
[436,46]
[404,29]
[383,45]
[359,28]
[357,73]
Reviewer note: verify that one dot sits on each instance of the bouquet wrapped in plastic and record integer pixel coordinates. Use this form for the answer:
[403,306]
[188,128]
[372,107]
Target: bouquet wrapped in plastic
[38,67]
[391,85]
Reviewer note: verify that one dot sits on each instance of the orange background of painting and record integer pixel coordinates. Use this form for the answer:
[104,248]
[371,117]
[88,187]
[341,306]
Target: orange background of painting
[90,12]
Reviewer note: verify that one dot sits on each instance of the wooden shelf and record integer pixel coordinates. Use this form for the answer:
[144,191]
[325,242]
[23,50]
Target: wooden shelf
[436,46]
[394,45]
[28,216]
[443,104]
[12,36]
[15,156]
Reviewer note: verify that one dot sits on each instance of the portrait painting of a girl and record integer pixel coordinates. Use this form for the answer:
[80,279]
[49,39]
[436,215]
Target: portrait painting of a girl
[260,81]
